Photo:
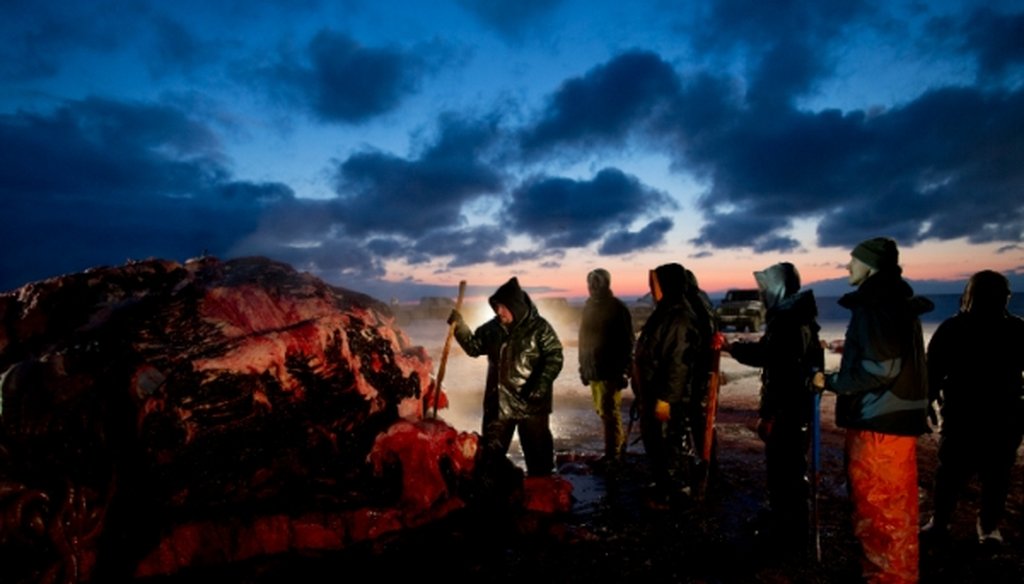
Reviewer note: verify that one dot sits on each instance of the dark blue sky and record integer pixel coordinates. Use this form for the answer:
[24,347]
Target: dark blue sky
[397,147]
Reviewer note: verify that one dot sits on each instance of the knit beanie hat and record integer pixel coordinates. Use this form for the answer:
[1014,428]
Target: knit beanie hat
[879,252]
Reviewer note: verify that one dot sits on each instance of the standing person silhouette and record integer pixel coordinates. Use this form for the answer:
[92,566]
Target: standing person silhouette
[665,355]
[605,355]
[882,401]
[788,353]
[524,356]
[975,363]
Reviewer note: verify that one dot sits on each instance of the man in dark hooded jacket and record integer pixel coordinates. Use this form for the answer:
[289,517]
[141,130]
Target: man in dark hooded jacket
[882,401]
[606,354]
[524,356]
[662,380]
[788,353]
[975,363]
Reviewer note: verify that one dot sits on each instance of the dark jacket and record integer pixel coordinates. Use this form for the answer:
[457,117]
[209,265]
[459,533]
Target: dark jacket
[606,339]
[882,381]
[787,353]
[668,344]
[523,359]
[976,361]
[704,311]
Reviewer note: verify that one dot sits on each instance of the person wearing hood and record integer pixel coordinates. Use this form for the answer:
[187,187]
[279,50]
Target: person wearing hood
[788,354]
[524,356]
[705,365]
[605,355]
[881,392]
[976,385]
[664,357]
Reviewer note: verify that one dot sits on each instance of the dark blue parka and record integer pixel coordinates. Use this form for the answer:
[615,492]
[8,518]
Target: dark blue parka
[882,383]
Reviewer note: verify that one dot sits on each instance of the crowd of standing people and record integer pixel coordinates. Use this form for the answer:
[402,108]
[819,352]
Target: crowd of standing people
[890,388]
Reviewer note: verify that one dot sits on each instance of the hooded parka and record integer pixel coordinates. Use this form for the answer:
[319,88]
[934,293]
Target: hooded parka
[665,355]
[882,400]
[789,350]
[606,336]
[523,359]
[788,353]
[882,379]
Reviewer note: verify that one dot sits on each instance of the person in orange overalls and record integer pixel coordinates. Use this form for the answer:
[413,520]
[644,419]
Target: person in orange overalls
[882,401]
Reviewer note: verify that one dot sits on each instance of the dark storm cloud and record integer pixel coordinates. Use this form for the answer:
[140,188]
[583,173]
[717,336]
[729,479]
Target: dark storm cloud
[107,148]
[603,106]
[39,35]
[788,47]
[383,193]
[897,172]
[98,182]
[340,80]
[731,24]
[623,242]
[996,39]
[786,71]
[511,18]
[754,230]
[468,246]
[570,213]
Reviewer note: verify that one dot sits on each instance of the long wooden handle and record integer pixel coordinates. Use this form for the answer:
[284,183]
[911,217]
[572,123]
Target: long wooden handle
[447,347]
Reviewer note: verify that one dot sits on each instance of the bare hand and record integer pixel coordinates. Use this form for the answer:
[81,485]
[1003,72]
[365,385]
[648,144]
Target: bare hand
[818,381]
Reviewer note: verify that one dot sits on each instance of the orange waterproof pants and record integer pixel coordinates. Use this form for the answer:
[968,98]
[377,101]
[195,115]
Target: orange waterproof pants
[882,470]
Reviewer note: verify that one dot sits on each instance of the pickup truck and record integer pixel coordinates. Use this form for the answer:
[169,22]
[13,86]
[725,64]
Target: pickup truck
[741,309]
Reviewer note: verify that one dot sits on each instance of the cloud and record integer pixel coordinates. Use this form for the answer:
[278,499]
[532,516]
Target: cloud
[386,194]
[624,242]
[97,182]
[995,39]
[510,18]
[569,213]
[603,106]
[896,172]
[38,36]
[342,81]
[787,48]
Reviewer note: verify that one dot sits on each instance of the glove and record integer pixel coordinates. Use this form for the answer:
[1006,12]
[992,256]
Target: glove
[455,317]
[764,428]
[584,380]
[622,382]
[662,411]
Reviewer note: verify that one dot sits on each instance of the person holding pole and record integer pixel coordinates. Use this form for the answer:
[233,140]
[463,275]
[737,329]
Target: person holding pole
[524,356]
[605,355]
[788,353]
[882,402]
